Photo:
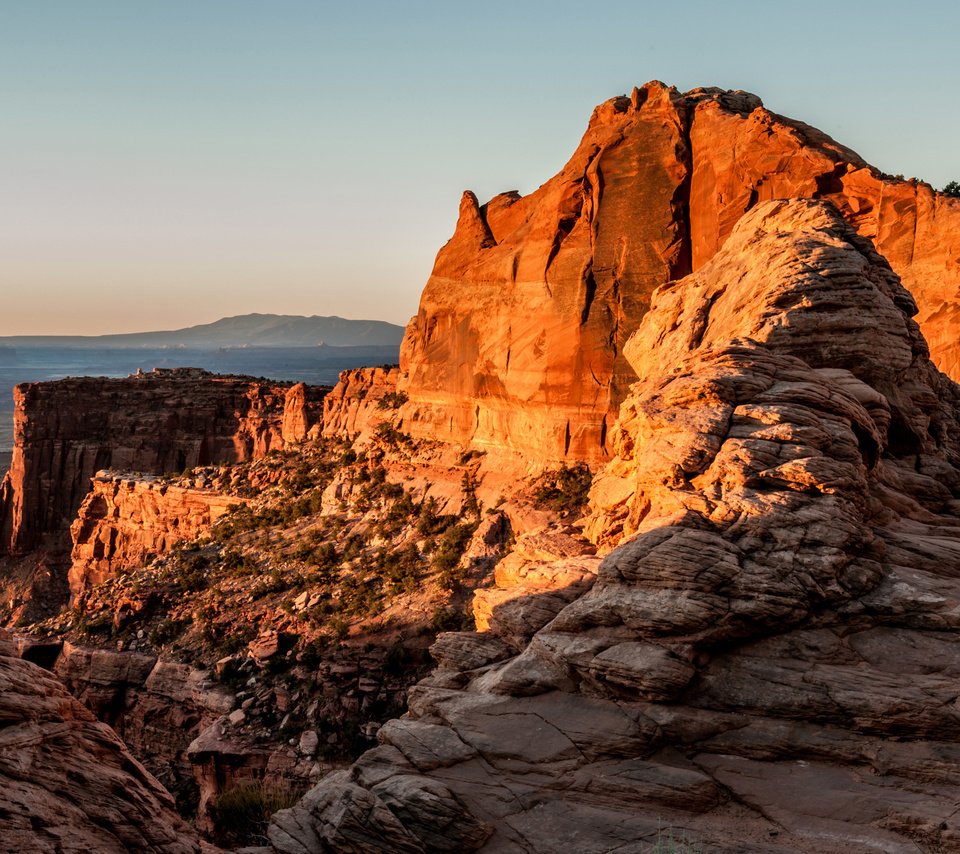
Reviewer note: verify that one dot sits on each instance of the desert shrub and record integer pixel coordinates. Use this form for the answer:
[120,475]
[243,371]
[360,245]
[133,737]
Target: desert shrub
[952,189]
[191,570]
[468,486]
[395,660]
[390,435]
[273,583]
[669,842]
[430,522]
[234,639]
[392,400]
[235,561]
[446,619]
[403,569]
[564,490]
[339,627]
[451,545]
[242,812]
[167,631]
[313,652]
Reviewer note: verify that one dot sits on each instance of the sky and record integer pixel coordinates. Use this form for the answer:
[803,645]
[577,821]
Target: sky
[164,164]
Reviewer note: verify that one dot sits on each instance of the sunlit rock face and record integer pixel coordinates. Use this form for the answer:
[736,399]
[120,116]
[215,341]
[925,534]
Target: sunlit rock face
[766,658]
[124,523]
[163,421]
[519,339]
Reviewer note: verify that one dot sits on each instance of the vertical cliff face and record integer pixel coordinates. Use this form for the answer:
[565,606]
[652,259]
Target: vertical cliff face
[124,523]
[66,431]
[518,341]
[743,158]
[519,336]
[359,401]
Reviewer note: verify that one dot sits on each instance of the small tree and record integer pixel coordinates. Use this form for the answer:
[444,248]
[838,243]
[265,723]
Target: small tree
[952,189]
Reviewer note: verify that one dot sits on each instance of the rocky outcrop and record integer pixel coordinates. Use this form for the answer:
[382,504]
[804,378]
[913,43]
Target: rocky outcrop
[68,783]
[163,421]
[357,403]
[156,705]
[767,662]
[519,339]
[125,522]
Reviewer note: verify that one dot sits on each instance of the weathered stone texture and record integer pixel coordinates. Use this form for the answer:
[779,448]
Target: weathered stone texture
[766,659]
[519,338]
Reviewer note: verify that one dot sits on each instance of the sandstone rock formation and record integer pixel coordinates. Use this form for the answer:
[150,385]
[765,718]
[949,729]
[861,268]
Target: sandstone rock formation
[163,421]
[124,522]
[356,403]
[519,339]
[68,782]
[768,660]
[157,706]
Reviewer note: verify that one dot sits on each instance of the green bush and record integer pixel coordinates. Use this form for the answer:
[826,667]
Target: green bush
[668,843]
[564,490]
[451,546]
[242,812]
[392,400]
[952,189]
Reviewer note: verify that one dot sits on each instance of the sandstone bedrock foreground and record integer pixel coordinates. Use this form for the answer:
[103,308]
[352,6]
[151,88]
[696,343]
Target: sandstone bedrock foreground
[746,638]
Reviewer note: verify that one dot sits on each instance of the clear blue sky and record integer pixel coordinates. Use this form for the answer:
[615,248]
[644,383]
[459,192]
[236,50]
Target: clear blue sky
[166,163]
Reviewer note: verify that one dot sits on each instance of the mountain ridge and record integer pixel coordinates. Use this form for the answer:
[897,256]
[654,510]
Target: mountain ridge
[254,329]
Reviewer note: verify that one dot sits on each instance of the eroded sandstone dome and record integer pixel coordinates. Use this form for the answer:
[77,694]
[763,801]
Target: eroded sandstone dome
[768,660]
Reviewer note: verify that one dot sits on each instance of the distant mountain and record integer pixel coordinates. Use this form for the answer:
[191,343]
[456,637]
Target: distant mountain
[245,330]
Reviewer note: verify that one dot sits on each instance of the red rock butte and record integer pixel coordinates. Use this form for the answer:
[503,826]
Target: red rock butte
[519,337]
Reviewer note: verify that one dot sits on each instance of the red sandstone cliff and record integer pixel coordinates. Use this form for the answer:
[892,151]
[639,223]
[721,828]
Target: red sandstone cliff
[359,401]
[123,523]
[67,430]
[519,338]
[768,658]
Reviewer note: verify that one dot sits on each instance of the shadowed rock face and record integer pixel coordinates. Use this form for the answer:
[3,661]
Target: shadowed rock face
[519,339]
[768,660]
[68,783]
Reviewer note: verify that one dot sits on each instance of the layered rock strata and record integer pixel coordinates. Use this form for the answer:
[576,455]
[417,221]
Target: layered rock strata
[359,401]
[125,522]
[519,338]
[768,662]
[157,706]
[68,783]
[163,421]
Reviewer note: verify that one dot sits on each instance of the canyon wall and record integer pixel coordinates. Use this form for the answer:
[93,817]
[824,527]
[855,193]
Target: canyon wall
[68,782]
[163,421]
[359,401]
[157,706]
[519,338]
[124,523]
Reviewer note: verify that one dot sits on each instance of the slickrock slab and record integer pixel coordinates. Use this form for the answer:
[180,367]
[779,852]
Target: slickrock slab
[68,783]
[767,656]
